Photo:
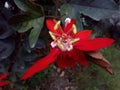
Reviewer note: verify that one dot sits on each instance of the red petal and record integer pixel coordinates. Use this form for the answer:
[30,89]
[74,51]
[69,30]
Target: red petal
[2,76]
[82,60]
[68,27]
[65,61]
[61,62]
[3,83]
[70,58]
[94,44]
[50,25]
[41,64]
[84,34]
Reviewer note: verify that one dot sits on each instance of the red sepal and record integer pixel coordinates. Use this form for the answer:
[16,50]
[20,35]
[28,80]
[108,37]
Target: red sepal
[2,76]
[3,83]
[83,34]
[68,27]
[94,44]
[50,25]
[41,64]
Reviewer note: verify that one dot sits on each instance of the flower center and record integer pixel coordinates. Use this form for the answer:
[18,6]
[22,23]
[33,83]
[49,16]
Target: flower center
[64,42]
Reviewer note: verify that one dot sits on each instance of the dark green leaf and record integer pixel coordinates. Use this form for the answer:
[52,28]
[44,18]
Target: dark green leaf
[97,13]
[13,77]
[2,68]
[30,7]
[22,23]
[71,13]
[40,44]
[25,56]
[5,29]
[31,20]
[106,4]
[34,34]
[91,11]
[19,67]
[6,48]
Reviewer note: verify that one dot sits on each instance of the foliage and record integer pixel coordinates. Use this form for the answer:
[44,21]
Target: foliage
[94,78]
[32,19]
[24,38]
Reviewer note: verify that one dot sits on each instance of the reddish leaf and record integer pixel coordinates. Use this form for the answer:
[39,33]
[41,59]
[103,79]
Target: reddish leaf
[98,55]
[98,59]
[104,66]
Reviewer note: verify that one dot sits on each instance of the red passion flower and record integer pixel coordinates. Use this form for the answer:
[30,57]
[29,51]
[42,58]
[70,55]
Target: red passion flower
[68,47]
[3,83]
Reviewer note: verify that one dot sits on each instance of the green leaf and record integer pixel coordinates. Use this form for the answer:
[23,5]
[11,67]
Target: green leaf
[30,7]
[34,34]
[92,11]
[23,23]
[32,19]
[71,13]
[106,4]
[96,13]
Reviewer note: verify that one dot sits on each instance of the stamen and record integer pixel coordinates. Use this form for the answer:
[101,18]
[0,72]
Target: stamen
[61,46]
[74,29]
[74,40]
[57,25]
[52,35]
[53,44]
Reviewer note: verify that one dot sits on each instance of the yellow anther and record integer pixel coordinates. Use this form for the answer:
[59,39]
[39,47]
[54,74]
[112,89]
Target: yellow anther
[74,40]
[74,29]
[57,25]
[52,35]
[61,46]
